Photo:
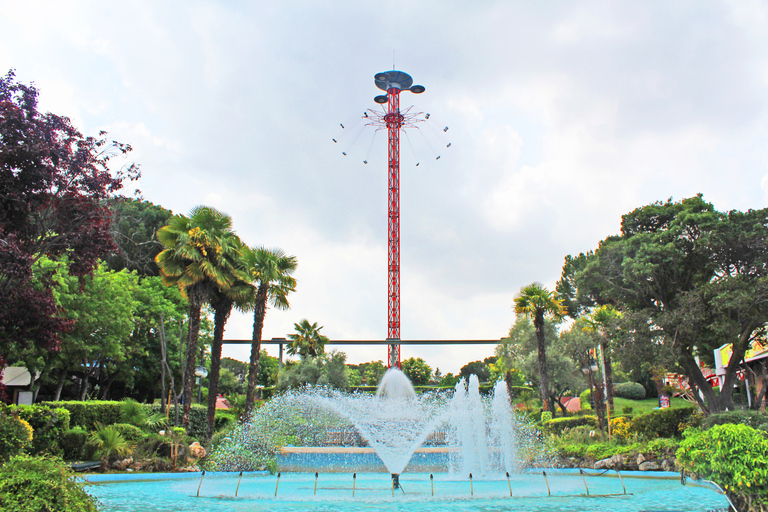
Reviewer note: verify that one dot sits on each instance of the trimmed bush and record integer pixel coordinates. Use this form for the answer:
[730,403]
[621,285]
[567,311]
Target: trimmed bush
[754,419]
[72,443]
[87,414]
[15,435]
[546,416]
[662,422]
[560,425]
[130,433]
[629,390]
[42,483]
[49,425]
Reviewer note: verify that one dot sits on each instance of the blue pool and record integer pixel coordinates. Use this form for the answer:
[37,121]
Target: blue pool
[373,492]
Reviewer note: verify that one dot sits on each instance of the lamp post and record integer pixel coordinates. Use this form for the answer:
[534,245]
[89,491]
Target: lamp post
[201,373]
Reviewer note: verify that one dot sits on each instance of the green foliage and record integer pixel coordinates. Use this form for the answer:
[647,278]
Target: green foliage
[307,341]
[662,422]
[108,442]
[49,425]
[629,390]
[15,435]
[584,399]
[130,433]
[72,443]
[559,425]
[733,456]
[546,416]
[35,484]
[417,370]
[754,419]
[87,414]
[325,370]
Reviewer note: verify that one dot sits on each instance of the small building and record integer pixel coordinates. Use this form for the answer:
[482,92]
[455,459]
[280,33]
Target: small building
[16,379]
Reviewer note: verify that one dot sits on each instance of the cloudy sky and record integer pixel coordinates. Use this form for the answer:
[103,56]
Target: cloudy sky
[563,116]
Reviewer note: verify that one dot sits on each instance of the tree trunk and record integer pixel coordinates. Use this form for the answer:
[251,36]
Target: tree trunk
[538,323]
[189,367]
[607,366]
[221,313]
[60,385]
[259,312]
[163,363]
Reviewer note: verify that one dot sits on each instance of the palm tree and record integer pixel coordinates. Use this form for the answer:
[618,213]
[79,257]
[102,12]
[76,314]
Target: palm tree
[536,302]
[199,256]
[307,341]
[270,271]
[600,321]
[109,441]
[222,301]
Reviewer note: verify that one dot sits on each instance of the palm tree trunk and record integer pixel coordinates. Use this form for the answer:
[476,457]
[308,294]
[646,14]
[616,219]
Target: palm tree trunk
[608,377]
[221,313]
[259,312]
[538,323]
[189,371]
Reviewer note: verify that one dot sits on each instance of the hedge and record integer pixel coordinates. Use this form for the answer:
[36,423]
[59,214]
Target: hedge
[754,419]
[48,423]
[559,425]
[87,414]
[662,422]
[629,390]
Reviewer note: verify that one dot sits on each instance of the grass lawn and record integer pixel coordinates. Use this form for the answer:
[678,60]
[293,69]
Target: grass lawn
[645,405]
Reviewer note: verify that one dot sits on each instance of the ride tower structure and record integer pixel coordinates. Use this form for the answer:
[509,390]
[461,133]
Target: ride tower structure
[393,83]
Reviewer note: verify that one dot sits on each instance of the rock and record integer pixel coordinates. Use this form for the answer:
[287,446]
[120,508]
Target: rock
[649,465]
[196,451]
[120,465]
[617,461]
[604,463]
[640,458]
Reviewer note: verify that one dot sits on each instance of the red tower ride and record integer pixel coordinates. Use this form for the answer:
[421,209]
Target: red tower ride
[393,82]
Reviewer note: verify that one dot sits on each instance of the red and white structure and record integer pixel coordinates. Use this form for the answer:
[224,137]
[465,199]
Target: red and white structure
[394,82]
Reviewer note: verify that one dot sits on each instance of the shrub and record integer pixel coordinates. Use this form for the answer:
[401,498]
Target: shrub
[733,456]
[72,443]
[629,390]
[754,419]
[584,400]
[15,435]
[108,442]
[49,425]
[42,483]
[627,409]
[87,414]
[130,433]
[620,429]
[662,422]
[559,425]
[546,416]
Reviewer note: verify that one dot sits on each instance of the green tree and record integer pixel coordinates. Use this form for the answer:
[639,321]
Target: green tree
[270,271]
[417,370]
[307,341]
[699,276]
[373,372]
[480,368]
[604,320]
[200,255]
[134,229]
[536,302]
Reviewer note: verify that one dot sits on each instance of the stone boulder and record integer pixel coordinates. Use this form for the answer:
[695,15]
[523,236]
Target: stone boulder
[196,451]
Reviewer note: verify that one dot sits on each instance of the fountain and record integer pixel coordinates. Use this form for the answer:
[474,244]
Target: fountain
[479,436]
[473,434]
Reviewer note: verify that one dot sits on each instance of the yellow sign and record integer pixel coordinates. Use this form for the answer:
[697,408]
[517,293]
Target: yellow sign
[756,348]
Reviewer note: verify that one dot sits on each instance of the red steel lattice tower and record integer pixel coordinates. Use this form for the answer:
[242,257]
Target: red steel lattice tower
[393,82]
